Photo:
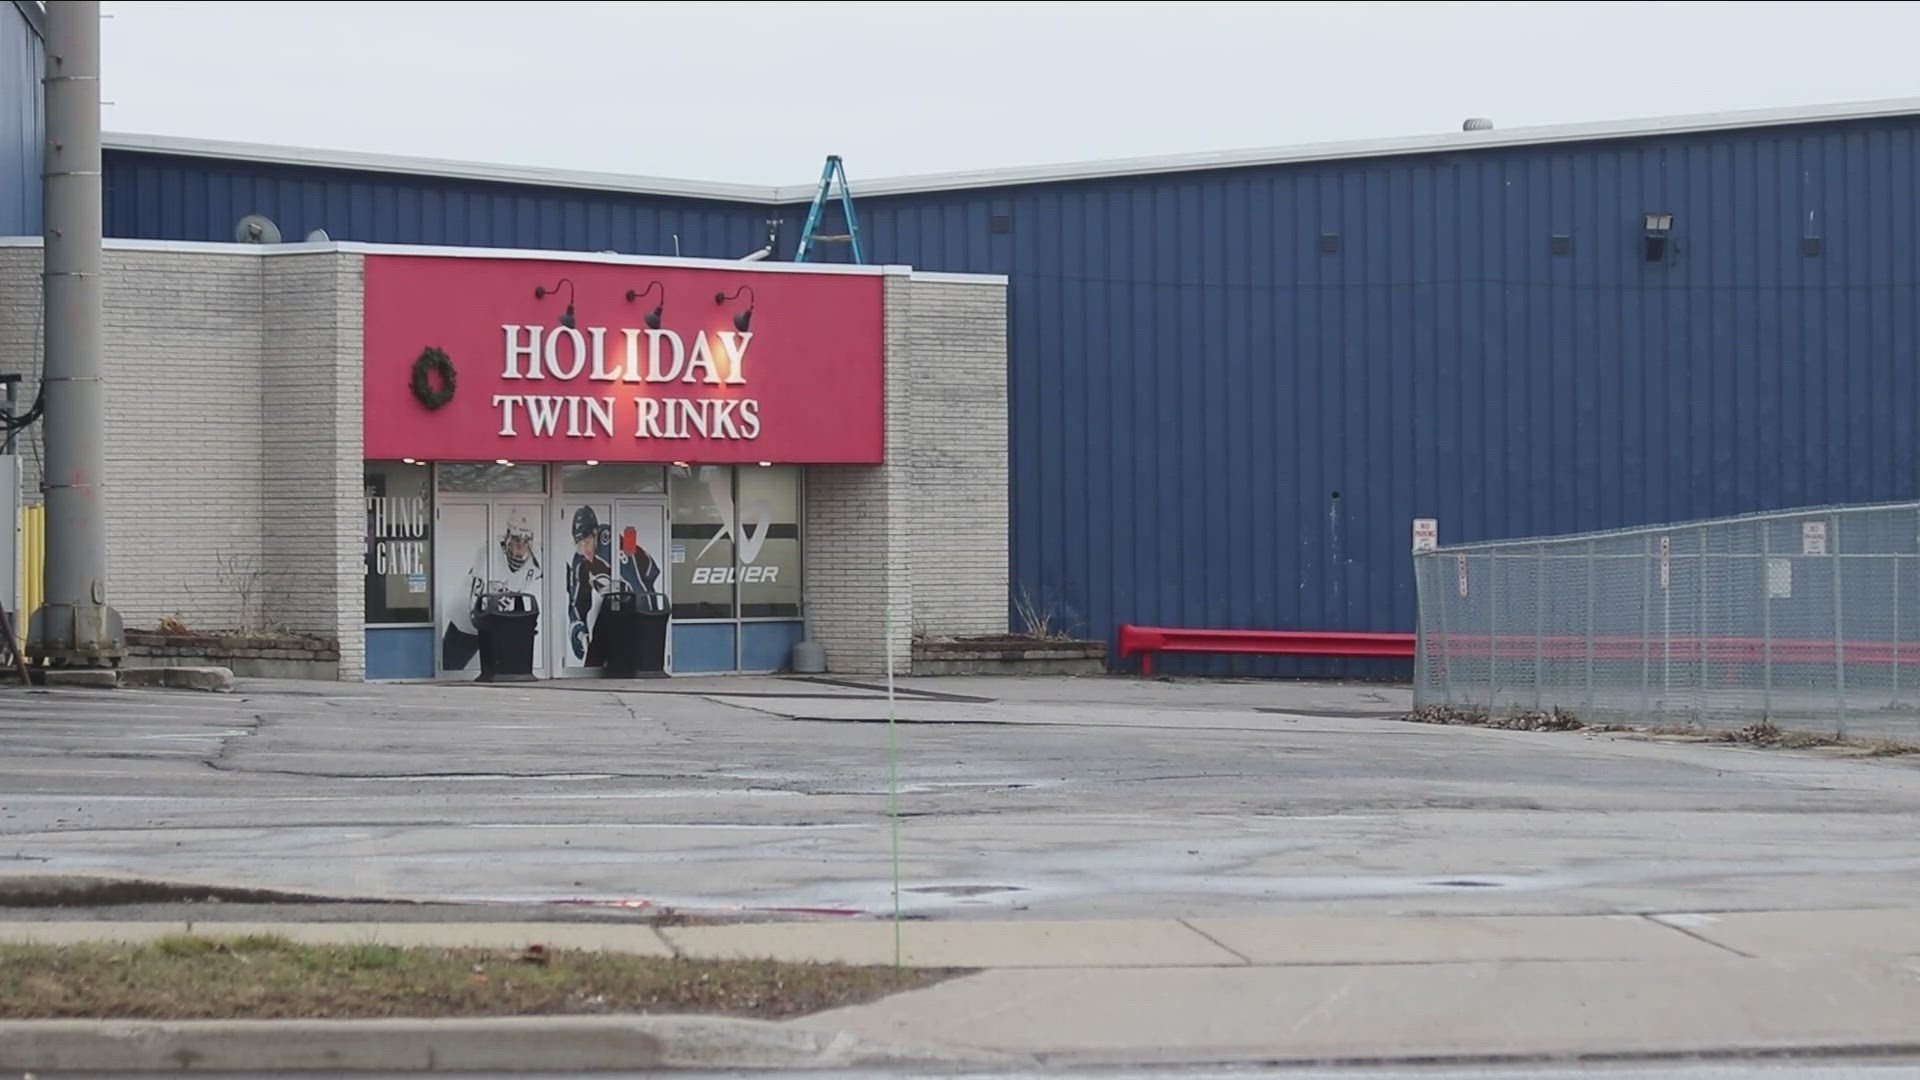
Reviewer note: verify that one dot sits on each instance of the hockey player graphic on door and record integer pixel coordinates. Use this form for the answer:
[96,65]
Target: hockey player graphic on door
[590,575]
[508,560]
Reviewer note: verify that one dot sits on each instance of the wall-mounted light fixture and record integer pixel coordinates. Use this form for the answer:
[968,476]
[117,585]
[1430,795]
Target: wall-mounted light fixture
[744,319]
[1659,227]
[541,292]
[652,317]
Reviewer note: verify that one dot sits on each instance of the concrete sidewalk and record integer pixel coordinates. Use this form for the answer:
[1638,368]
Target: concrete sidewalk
[1287,988]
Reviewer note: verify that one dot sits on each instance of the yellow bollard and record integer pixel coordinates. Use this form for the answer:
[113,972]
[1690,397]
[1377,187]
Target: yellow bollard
[33,565]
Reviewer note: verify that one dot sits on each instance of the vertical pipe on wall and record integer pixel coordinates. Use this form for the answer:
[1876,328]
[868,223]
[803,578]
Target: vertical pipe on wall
[75,625]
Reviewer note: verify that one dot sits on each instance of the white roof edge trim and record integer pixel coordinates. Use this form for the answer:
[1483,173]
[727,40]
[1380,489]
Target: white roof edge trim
[354,247]
[419,166]
[1444,142]
[944,277]
[350,247]
[36,16]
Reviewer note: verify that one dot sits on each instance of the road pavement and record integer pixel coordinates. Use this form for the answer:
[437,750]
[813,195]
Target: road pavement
[1798,1069]
[1103,798]
[1147,873]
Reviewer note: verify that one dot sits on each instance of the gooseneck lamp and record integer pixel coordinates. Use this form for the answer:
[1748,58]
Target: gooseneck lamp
[541,292]
[744,319]
[652,317]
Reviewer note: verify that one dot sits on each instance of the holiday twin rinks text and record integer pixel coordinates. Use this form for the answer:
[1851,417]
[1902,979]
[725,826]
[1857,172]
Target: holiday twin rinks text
[562,354]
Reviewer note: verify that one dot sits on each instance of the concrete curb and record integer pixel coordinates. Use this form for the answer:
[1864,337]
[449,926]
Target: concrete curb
[216,680]
[36,889]
[484,1044]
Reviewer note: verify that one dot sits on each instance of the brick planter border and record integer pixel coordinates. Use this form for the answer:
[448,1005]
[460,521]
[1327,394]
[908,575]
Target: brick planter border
[1009,656]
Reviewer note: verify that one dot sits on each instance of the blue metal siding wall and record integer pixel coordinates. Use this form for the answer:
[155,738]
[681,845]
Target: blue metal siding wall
[1194,381]
[23,58]
[1214,423]
[156,197]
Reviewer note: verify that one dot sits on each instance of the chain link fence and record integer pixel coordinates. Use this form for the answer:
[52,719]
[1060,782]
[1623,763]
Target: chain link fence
[1808,619]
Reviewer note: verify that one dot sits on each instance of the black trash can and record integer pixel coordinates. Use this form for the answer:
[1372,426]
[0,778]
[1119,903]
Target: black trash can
[507,623]
[630,636]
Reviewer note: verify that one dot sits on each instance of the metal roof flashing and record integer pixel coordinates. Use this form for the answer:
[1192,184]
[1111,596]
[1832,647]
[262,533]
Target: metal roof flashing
[354,247]
[356,161]
[36,15]
[1446,142]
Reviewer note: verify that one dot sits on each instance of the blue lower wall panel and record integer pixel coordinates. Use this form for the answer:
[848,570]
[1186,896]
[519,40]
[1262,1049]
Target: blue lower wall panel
[768,646]
[702,647]
[401,653]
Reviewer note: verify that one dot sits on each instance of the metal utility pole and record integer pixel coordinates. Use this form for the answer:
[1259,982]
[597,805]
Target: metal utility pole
[75,626]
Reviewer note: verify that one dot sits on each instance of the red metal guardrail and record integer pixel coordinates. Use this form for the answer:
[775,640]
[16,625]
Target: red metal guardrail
[1149,641]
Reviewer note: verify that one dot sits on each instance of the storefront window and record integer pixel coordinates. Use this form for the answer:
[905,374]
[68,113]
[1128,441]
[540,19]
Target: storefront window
[492,478]
[769,571]
[703,542]
[399,542]
[615,479]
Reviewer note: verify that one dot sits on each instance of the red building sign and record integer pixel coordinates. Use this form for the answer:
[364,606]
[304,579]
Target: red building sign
[482,359]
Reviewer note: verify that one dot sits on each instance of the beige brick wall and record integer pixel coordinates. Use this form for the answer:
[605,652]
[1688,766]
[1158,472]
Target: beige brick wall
[313,510]
[957,334]
[233,433]
[184,432]
[924,535]
[183,452]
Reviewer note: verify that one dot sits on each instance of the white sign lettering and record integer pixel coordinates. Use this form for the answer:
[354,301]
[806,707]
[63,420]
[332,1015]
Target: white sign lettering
[729,575]
[398,525]
[1426,534]
[564,354]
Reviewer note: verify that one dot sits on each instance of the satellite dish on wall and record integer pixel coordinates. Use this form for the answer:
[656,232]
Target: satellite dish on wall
[318,236]
[256,229]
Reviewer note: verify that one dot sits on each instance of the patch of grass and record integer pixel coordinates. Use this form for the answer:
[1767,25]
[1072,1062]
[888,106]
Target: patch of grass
[267,977]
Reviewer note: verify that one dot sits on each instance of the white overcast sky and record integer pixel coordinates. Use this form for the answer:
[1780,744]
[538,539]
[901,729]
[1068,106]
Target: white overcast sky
[760,93]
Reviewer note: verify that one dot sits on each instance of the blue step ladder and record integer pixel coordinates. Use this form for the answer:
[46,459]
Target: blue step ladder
[810,235]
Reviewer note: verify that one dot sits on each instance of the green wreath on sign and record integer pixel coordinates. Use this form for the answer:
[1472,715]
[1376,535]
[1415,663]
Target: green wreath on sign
[434,364]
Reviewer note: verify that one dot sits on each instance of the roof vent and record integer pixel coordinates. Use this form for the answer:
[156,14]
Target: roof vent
[1477,123]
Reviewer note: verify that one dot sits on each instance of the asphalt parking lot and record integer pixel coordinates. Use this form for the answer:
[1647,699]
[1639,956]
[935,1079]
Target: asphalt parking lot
[1045,797]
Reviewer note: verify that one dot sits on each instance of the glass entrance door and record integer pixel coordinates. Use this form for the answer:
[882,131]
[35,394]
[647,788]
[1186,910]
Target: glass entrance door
[480,545]
[611,544]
